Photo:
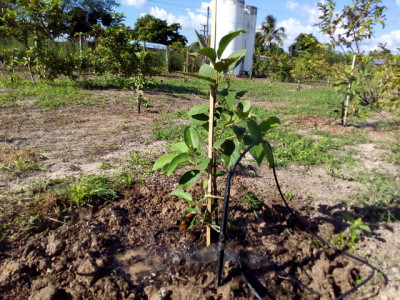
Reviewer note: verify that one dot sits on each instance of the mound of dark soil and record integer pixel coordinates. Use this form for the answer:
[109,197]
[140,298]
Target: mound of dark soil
[133,249]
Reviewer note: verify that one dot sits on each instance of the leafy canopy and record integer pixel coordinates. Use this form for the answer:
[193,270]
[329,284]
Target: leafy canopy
[151,29]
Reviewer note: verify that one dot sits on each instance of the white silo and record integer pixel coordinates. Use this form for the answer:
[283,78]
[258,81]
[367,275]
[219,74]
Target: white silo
[233,15]
[250,21]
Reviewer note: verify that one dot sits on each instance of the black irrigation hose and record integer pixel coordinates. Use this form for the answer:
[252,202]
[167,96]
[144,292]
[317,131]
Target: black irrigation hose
[223,231]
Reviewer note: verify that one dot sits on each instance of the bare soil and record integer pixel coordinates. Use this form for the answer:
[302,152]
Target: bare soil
[133,249]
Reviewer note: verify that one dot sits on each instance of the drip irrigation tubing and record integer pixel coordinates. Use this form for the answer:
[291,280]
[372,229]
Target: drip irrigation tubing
[223,233]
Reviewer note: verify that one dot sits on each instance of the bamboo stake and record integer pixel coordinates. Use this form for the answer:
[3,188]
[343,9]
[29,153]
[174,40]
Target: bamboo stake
[346,103]
[210,171]
[210,185]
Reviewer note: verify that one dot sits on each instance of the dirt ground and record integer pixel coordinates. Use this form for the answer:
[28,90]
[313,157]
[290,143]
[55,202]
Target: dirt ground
[133,249]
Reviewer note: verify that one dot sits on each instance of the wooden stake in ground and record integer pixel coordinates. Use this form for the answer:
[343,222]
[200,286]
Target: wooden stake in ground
[213,97]
[347,100]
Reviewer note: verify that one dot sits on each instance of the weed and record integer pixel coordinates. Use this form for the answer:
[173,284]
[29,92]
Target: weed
[351,238]
[252,200]
[24,159]
[123,180]
[141,164]
[167,132]
[106,166]
[382,190]
[89,189]
[289,195]
[29,222]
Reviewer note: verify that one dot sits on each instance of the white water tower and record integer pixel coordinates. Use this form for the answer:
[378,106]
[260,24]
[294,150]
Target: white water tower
[233,15]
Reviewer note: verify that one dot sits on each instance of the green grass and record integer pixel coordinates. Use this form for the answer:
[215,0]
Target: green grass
[8,100]
[177,87]
[49,94]
[394,157]
[168,131]
[89,189]
[294,148]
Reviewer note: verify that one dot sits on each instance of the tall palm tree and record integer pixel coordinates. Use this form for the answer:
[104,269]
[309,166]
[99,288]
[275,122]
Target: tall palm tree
[270,33]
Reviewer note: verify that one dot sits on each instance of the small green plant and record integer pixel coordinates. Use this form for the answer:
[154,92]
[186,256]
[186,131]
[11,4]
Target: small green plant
[230,126]
[124,180]
[351,238]
[89,189]
[253,202]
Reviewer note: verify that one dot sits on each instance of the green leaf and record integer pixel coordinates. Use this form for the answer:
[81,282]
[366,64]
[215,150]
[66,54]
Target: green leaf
[243,109]
[197,76]
[180,147]
[245,105]
[204,164]
[365,227]
[163,160]
[230,101]
[254,128]
[178,160]
[224,42]
[209,52]
[194,47]
[258,153]
[239,132]
[199,119]
[191,138]
[200,39]
[182,194]
[239,54]
[230,152]
[224,64]
[268,124]
[261,152]
[218,143]
[208,73]
[240,94]
[270,156]
[202,108]
[348,217]
[189,178]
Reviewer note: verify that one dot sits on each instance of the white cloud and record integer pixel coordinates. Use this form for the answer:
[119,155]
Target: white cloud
[137,3]
[392,41]
[398,3]
[204,6]
[313,14]
[295,27]
[291,5]
[189,21]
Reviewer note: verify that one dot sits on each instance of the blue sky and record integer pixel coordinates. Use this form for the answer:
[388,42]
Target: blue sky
[297,16]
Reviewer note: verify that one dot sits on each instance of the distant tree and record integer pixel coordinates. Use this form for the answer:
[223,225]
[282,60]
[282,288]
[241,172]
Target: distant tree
[347,29]
[80,15]
[151,29]
[270,33]
[353,24]
[303,42]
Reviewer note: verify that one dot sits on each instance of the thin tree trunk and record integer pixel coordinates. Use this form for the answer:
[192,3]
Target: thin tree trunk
[139,103]
[31,73]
